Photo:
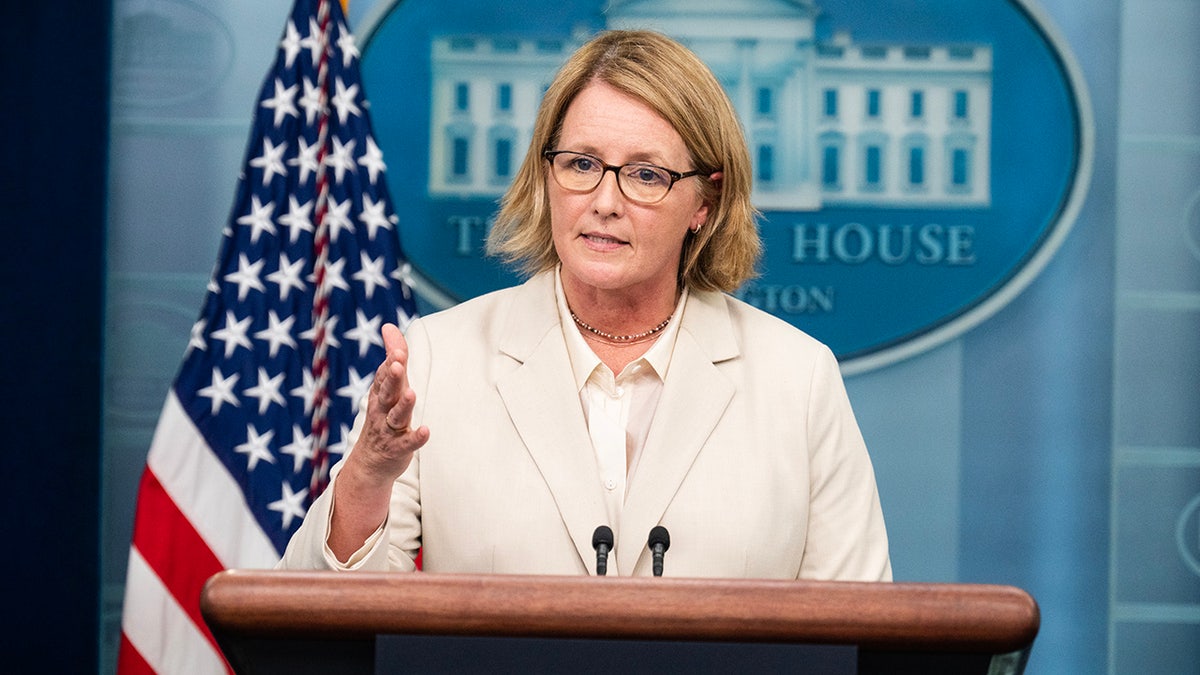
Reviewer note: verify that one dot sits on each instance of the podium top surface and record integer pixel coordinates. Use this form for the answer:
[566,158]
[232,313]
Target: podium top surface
[976,618]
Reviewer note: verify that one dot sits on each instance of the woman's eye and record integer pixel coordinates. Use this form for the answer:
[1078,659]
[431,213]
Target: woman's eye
[583,165]
[647,175]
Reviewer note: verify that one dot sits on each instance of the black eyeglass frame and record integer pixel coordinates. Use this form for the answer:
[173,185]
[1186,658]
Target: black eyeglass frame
[676,176]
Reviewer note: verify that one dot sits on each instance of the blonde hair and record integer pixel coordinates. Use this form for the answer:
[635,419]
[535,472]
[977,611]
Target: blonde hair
[676,84]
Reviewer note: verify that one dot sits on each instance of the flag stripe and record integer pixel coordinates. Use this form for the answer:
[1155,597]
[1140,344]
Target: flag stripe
[131,659]
[160,630]
[183,568]
[216,505]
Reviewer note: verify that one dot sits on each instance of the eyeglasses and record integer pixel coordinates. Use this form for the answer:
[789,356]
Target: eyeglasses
[639,182]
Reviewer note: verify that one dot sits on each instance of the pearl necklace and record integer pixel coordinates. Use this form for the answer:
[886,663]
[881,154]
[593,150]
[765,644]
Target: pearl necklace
[621,339]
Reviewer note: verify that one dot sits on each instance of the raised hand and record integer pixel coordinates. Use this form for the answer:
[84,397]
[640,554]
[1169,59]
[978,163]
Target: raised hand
[384,449]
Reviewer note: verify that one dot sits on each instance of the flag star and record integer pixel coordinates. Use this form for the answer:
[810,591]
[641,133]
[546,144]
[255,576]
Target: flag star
[403,274]
[333,276]
[331,340]
[345,42]
[271,160]
[246,276]
[290,44]
[343,443]
[301,448]
[306,159]
[307,392]
[257,447]
[298,218]
[343,100]
[259,218]
[277,334]
[220,391]
[403,319]
[290,505]
[197,341]
[313,101]
[356,389]
[373,215]
[287,277]
[234,333]
[267,390]
[365,332]
[341,159]
[372,160]
[283,102]
[371,275]
[314,42]
[337,217]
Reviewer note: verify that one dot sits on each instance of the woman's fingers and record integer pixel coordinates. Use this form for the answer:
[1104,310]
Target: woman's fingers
[399,415]
[391,378]
[388,441]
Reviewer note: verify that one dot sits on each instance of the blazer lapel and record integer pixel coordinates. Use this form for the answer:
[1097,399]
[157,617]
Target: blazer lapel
[693,400]
[541,400]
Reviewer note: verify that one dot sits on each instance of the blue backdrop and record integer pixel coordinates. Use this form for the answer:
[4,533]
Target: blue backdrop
[1055,446]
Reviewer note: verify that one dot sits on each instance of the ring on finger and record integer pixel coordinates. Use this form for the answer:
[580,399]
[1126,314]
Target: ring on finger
[388,420]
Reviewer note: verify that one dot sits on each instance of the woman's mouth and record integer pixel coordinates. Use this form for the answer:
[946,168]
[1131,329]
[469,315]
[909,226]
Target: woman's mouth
[603,240]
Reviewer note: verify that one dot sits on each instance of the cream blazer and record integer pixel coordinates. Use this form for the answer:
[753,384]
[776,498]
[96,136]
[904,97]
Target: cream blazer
[753,462]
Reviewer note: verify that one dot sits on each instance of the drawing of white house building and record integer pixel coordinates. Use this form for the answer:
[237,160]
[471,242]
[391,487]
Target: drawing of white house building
[827,122]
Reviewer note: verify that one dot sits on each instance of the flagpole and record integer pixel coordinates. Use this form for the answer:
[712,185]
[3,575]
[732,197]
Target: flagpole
[320,363]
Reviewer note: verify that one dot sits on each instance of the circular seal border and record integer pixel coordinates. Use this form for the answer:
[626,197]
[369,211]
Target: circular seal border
[1067,215]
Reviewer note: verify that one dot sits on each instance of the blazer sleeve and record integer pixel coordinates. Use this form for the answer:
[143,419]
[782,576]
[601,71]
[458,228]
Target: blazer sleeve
[846,539]
[396,544]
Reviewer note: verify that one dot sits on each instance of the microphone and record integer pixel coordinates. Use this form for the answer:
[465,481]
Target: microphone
[602,541]
[659,542]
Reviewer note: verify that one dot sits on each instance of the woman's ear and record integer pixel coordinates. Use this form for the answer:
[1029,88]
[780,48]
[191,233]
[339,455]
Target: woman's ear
[698,219]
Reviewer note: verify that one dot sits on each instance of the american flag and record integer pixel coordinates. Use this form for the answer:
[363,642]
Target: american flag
[286,345]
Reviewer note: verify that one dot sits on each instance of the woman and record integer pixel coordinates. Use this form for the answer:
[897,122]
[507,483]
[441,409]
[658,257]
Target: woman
[620,385]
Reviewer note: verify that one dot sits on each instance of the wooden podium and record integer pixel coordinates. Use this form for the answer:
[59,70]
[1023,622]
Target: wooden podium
[329,622]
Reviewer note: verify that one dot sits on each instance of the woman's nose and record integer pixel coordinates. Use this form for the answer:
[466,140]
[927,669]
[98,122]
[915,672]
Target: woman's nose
[607,197]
